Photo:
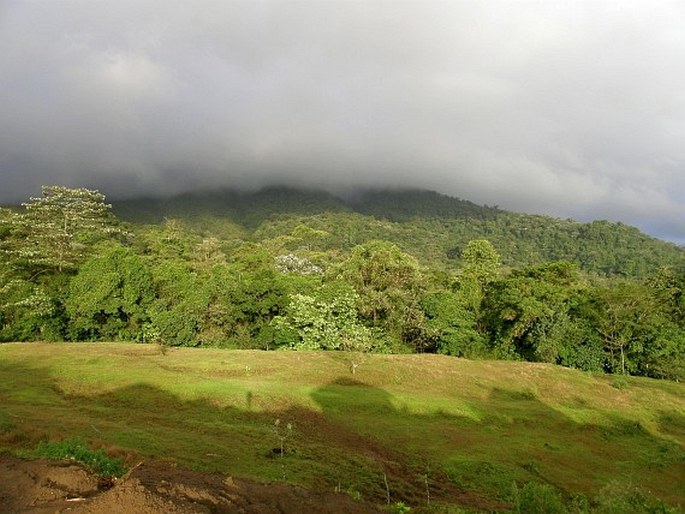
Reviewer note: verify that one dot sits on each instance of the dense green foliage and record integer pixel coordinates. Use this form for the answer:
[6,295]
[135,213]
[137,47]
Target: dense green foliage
[303,270]
[432,227]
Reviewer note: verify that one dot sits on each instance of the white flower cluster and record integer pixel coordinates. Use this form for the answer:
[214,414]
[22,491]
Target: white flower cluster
[38,302]
[290,263]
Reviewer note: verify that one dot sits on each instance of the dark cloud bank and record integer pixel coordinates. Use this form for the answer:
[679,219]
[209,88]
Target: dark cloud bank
[567,108]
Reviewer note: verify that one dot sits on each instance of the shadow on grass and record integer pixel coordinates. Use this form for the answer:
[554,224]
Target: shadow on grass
[357,441]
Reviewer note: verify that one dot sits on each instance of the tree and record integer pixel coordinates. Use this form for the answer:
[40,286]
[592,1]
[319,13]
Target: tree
[55,230]
[256,295]
[389,283]
[309,237]
[669,286]
[110,296]
[530,313]
[181,300]
[634,327]
[327,320]
[480,267]
[480,261]
[452,325]
[453,316]
[26,310]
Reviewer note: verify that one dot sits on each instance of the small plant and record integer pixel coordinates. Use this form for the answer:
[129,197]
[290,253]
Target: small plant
[283,432]
[387,487]
[534,498]
[424,477]
[618,496]
[579,504]
[620,383]
[354,494]
[74,449]
[400,508]
[532,467]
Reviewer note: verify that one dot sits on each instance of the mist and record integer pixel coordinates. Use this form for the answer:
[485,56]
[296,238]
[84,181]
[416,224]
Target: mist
[573,109]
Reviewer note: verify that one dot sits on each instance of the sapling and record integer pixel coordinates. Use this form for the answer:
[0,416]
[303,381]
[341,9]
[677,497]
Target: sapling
[424,476]
[282,432]
[387,488]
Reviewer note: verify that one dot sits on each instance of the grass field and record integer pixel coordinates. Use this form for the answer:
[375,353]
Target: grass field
[462,430]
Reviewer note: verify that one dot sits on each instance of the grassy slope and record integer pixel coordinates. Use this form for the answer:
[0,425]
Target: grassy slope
[473,427]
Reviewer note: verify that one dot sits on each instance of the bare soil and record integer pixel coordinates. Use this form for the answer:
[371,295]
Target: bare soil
[42,486]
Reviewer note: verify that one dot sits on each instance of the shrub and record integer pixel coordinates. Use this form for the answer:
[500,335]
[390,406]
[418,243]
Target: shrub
[620,383]
[399,508]
[534,498]
[74,449]
[618,497]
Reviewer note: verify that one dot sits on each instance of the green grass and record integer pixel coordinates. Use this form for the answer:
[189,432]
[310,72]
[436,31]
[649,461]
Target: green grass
[74,449]
[473,427]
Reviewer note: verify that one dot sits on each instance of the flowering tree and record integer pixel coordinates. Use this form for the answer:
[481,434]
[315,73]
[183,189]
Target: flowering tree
[55,229]
[324,322]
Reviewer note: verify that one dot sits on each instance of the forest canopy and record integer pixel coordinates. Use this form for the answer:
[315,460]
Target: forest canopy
[386,272]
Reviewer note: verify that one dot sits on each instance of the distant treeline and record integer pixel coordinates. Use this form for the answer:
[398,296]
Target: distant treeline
[387,272]
[432,227]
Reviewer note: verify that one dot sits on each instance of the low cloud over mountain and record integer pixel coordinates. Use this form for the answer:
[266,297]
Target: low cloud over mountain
[566,108]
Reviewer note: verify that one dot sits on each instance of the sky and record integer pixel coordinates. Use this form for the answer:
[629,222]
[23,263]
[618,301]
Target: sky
[563,107]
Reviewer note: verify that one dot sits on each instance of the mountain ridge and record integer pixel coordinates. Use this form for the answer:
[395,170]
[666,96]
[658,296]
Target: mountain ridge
[433,227]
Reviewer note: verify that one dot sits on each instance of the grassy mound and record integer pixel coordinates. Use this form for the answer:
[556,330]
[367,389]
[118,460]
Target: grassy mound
[409,427]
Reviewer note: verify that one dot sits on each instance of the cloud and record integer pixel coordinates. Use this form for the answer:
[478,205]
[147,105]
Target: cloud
[566,108]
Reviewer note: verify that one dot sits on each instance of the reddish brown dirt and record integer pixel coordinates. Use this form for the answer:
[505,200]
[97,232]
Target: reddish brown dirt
[41,486]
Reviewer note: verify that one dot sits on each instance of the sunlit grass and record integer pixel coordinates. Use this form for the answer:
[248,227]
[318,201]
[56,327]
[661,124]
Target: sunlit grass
[473,426]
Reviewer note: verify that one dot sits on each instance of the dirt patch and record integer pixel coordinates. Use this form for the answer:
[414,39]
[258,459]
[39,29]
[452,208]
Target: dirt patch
[41,486]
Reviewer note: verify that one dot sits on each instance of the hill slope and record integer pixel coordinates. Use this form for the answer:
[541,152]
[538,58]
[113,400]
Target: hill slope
[465,429]
[432,227]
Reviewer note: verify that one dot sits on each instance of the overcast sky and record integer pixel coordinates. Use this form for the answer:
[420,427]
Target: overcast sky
[569,108]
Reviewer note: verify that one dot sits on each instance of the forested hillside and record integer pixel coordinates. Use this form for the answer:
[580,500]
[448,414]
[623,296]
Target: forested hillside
[402,271]
[432,227]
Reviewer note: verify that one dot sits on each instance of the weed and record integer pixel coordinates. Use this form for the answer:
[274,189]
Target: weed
[579,504]
[424,478]
[622,496]
[387,488]
[620,383]
[399,508]
[354,493]
[6,425]
[666,454]
[529,394]
[532,467]
[484,476]
[534,498]
[75,449]
[283,432]
[626,428]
